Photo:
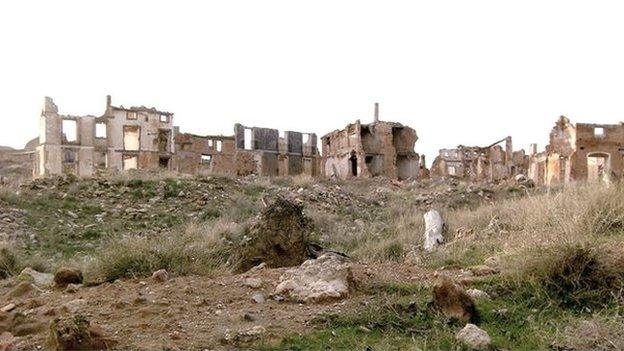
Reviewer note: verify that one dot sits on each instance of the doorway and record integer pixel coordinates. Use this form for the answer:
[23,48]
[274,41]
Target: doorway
[598,167]
[353,162]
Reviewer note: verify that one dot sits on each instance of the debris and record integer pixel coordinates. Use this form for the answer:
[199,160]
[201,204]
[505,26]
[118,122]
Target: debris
[277,238]
[21,289]
[254,283]
[474,337]
[8,308]
[483,270]
[433,230]
[160,275]
[67,275]
[453,301]
[325,278]
[258,297]
[478,294]
[77,333]
[244,336]
[43,280]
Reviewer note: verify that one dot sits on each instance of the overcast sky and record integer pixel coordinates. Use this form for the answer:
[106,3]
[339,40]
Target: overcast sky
[459,72]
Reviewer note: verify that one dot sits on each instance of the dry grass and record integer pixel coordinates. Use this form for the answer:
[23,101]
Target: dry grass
[199,249]
[571,216]
[598,333]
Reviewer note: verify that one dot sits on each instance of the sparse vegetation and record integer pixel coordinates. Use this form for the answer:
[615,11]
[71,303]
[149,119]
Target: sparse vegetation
[559,253]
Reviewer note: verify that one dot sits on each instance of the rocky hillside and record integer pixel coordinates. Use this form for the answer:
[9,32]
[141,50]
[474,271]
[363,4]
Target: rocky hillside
[149,262]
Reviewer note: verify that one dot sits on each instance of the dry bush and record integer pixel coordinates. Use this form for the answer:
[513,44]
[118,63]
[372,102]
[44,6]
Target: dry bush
[13,260]
[200,249]
[574,276]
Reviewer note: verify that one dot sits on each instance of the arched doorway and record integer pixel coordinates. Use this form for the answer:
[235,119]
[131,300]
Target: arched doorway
[598,167]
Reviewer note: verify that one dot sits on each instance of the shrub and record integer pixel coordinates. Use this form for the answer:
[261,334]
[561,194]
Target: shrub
[199,249]
[574,276]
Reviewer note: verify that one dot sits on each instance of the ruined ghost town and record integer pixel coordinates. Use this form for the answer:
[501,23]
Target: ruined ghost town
[128,138]
[118,231]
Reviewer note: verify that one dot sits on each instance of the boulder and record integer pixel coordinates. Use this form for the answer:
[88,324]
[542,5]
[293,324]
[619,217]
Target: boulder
[433,230]
[474,337]
[21,289]
[325,278]
[483,270]
[77,333]
[453,301]
[67,275]
[43,280]
[278,237]
[254,283]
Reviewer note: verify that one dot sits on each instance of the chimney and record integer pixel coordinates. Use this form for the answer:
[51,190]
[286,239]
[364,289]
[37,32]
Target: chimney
[108,101]
[376,112]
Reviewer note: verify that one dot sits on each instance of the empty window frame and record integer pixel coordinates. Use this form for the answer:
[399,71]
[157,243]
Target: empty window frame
[209,142]
[100,130]
[247,138]
[599,132]
[218,145]
[70,131]
[69,156]
[164,118]
[100,159]
[305,138]
[131,136]
[131,115]
[206,160]
[130,162]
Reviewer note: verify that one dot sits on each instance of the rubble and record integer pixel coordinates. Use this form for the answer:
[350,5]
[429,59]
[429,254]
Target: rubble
[67,275]
[453,301]
[434,226]
[77,333]
[278,238]
[160,276]
[328,277]
[474,337]
[43,280]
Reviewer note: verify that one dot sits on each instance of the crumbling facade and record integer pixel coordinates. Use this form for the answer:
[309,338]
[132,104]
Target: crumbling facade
[251,150]
[475,163]
[579,152]
[121,139]
[369,150]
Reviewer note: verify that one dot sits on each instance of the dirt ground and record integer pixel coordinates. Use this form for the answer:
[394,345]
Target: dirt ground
[187,313]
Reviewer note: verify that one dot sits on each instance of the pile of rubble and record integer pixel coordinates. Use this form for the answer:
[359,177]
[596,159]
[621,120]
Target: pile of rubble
[13,224]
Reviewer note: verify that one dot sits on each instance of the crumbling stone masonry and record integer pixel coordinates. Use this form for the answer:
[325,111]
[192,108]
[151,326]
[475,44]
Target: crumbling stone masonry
[251,150]
[121,139]
[369,150]
[579,152]
[489,163]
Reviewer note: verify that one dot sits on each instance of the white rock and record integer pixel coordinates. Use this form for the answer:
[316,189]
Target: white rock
[474,337]
[325,278]
[478,294]
[258,298]
[40,279]
[433,230]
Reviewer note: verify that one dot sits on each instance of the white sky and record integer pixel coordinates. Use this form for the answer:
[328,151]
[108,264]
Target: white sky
[460,72]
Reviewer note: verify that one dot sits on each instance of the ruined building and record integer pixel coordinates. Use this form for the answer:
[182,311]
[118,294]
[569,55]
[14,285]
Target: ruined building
[120,139]
[368,150]
[476,163]
[579,152]
[251,150]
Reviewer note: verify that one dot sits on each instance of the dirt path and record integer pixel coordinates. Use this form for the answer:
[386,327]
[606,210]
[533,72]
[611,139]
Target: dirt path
[185,313]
